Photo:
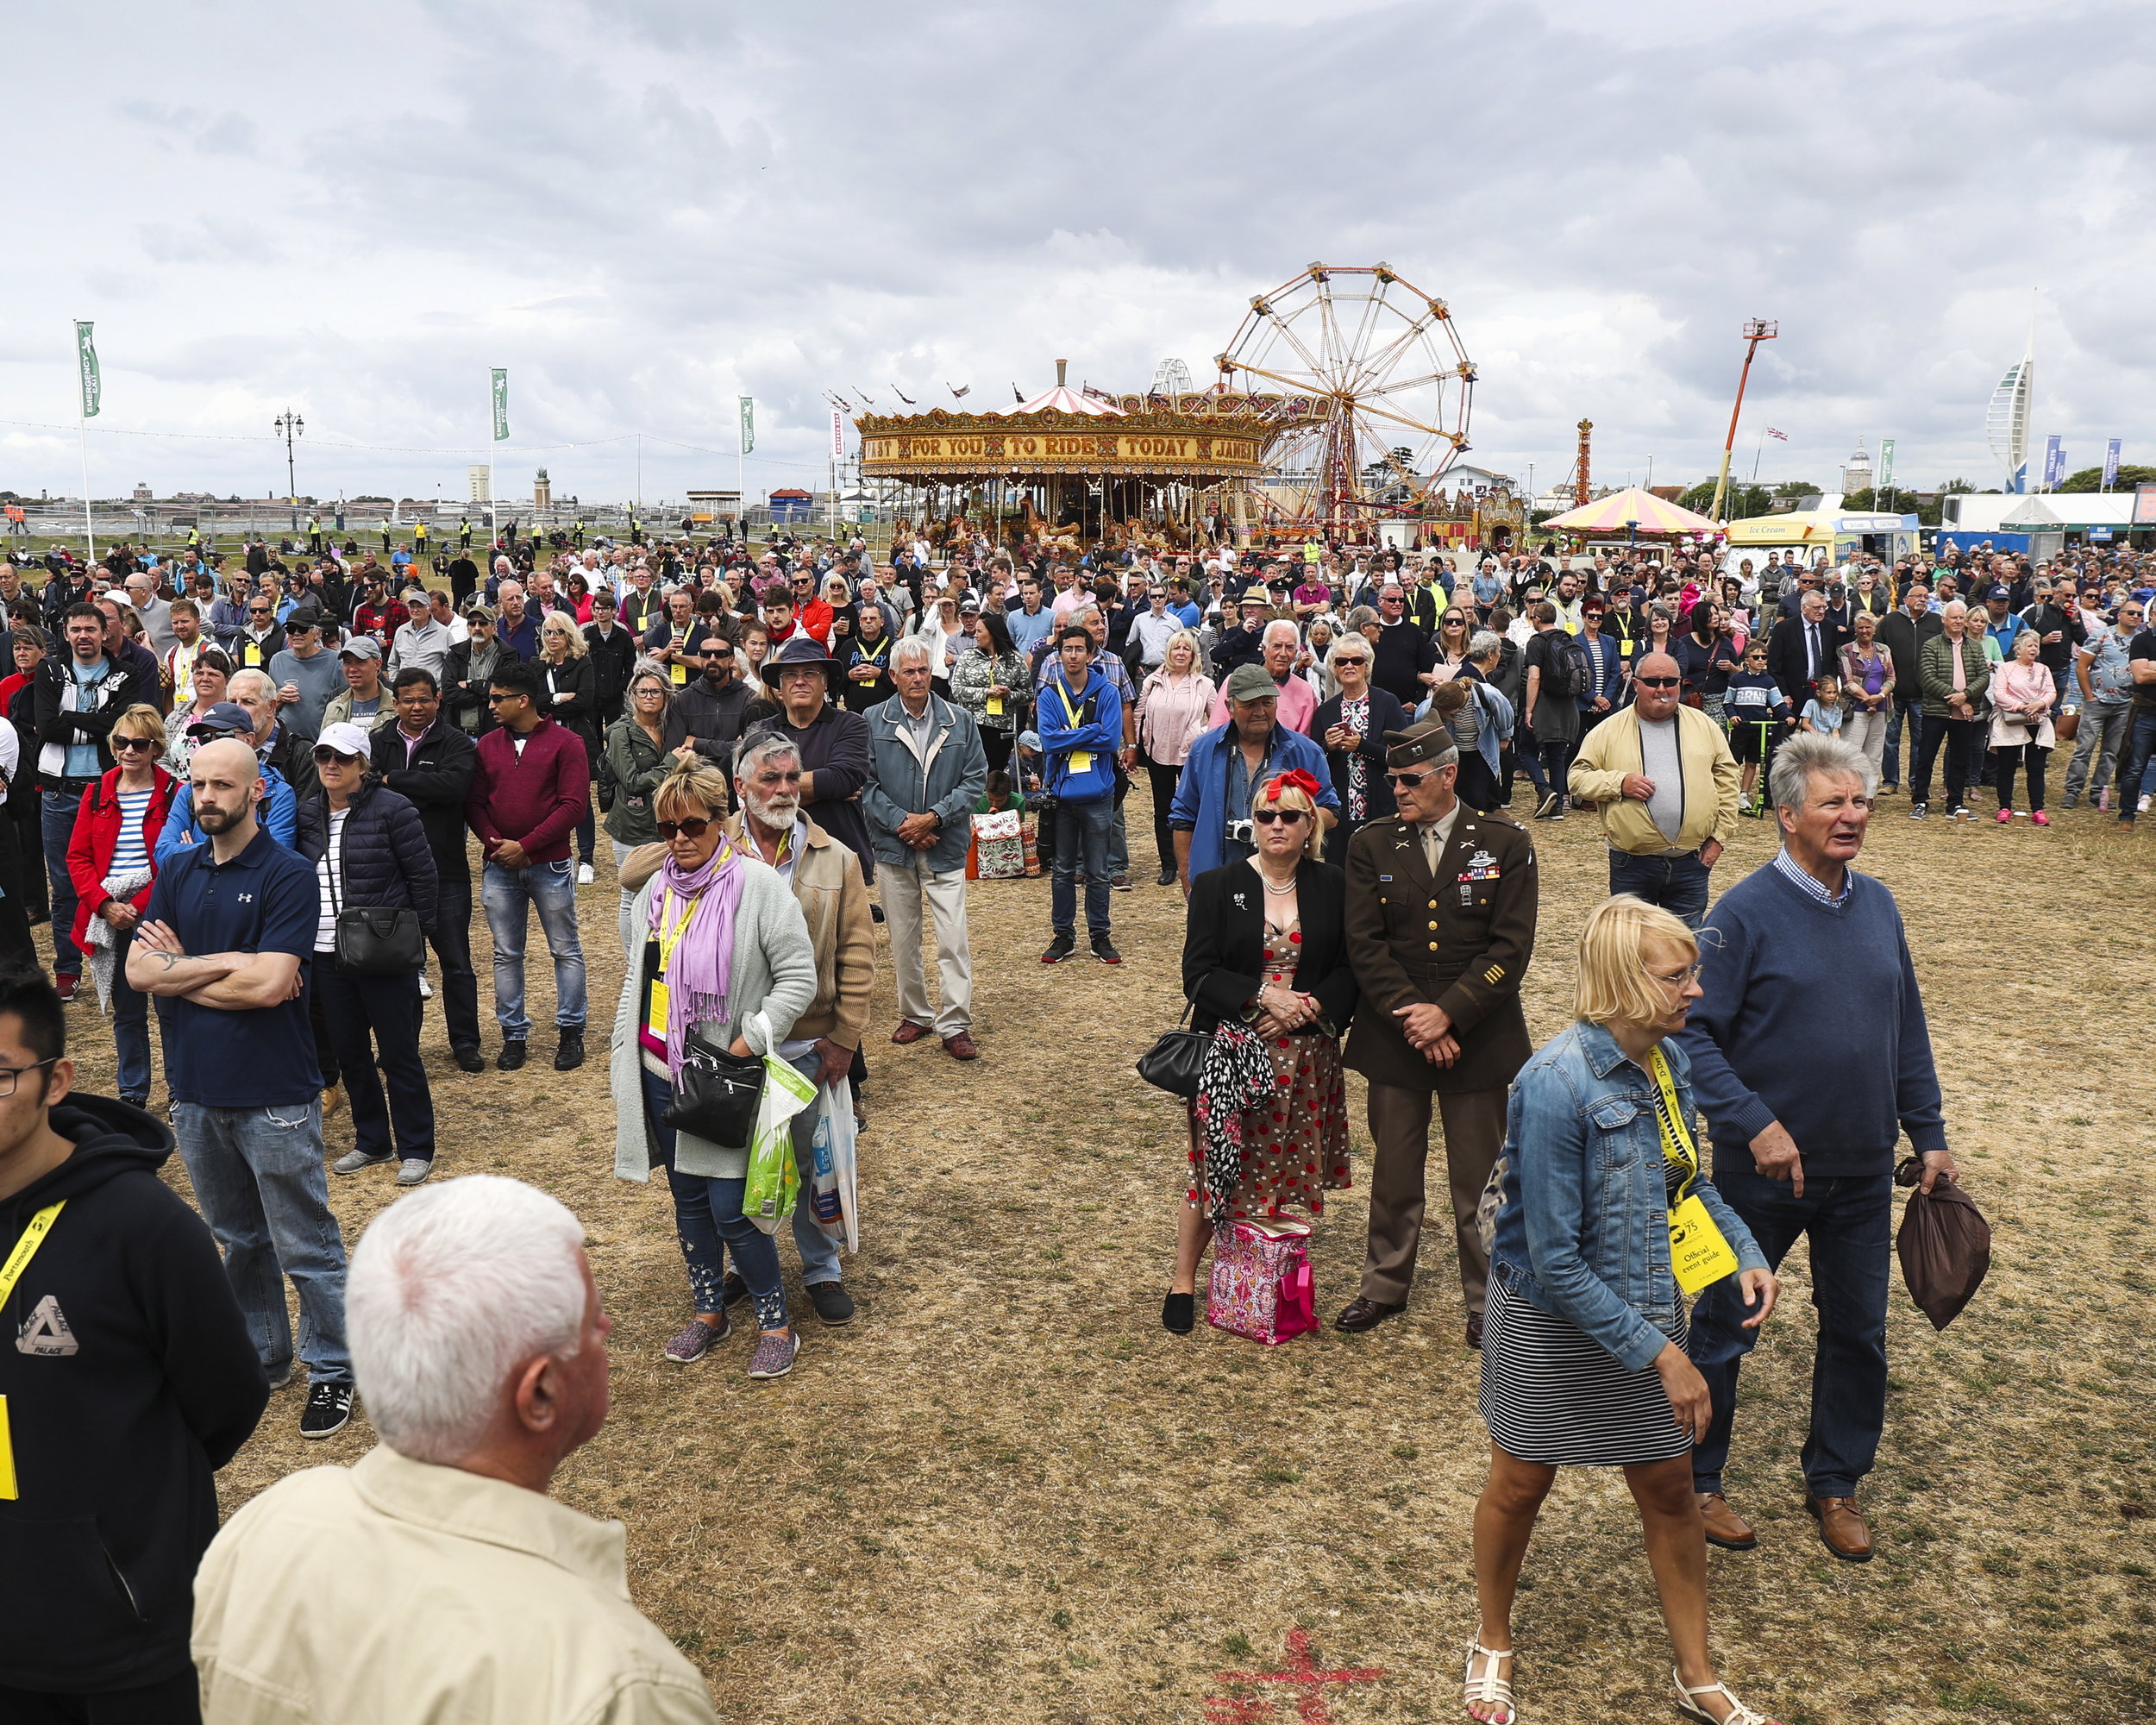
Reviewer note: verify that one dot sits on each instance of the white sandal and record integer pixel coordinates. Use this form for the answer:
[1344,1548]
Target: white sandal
[1739,1713]
[1489,1689]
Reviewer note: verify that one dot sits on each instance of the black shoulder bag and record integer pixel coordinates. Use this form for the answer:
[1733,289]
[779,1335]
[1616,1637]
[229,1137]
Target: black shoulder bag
[375,940]
[1176,1061]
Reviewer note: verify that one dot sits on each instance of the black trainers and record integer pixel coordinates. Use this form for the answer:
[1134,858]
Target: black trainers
[511,1057]
[1058,950]
[1104,949]
[834,1304]
[733,1290]
[329,1410]
[1920,811]
[1548,806]
[570,1055]
[468,1058]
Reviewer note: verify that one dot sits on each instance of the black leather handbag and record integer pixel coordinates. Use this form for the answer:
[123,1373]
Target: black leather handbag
[376,940]
[1176,1061]
[716,1094]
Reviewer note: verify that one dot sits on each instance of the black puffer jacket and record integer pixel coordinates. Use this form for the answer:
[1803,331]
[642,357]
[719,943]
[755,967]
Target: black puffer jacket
[387,862]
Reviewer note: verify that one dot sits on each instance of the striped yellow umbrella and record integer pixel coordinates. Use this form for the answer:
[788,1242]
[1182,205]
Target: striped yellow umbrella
[1635,510]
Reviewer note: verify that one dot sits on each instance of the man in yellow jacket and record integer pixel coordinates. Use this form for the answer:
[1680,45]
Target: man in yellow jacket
[1666,784]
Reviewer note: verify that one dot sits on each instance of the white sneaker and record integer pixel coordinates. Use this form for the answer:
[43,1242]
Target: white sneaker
[2142,807]
[584,874]
[426,988]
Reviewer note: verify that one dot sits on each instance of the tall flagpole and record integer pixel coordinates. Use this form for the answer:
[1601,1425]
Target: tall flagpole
[89,529]
[89,397]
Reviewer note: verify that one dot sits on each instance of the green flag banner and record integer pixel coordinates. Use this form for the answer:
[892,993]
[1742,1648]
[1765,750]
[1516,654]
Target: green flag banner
[501,404]
[1886,463]
[86,359]
[748,424]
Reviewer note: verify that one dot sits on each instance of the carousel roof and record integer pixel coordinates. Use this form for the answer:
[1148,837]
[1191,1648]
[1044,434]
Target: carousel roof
[1064,399]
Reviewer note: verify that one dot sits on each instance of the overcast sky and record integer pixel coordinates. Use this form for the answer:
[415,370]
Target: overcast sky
[645,207]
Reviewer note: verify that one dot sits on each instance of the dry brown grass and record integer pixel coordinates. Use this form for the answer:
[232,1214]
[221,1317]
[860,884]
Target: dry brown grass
[1007,1494]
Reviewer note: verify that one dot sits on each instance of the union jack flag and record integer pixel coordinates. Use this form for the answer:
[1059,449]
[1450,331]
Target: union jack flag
[1779,436]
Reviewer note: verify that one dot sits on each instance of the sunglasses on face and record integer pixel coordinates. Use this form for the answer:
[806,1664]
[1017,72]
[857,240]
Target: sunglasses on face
[1266,817]
[694,827]
[122,745]
[1407,781]
[325,755]
[252,611]
[1658,682]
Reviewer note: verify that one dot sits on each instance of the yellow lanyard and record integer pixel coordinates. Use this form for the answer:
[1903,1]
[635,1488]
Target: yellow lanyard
[11,1273]
[1699,1254]
[1676,1142]
[671,937]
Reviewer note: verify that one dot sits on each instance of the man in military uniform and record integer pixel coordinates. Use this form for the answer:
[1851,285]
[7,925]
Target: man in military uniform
[1440,925]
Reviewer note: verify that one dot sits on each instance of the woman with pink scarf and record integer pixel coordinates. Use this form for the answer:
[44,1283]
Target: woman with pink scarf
[725,959]
[2021,697]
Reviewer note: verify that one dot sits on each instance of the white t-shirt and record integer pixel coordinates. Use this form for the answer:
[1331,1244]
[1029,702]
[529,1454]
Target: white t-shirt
[328,868]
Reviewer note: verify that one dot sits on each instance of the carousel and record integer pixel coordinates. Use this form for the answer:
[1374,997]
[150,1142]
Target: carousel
[1072,469]
[1342,405]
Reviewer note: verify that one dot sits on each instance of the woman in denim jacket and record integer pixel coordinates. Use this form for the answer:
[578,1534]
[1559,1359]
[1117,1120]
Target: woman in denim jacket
[1583,1360]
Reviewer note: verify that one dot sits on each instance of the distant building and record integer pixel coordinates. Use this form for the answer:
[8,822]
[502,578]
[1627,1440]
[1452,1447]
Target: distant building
[142,493]
[542,492]
[1856,472]
[481,480]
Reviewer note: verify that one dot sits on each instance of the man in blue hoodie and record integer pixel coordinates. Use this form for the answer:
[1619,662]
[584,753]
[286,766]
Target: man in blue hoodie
[1807,978]
[1080,723]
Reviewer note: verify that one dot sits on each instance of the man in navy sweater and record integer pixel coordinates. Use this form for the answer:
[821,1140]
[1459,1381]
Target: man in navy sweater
[1807,975]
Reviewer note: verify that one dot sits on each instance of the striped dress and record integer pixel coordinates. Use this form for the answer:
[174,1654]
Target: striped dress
[1552,1394]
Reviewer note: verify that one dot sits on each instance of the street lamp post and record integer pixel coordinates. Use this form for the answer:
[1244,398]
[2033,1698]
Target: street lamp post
[289,425]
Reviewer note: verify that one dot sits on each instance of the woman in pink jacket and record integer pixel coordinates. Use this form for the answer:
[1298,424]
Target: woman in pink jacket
[1172,705]
[2022,694]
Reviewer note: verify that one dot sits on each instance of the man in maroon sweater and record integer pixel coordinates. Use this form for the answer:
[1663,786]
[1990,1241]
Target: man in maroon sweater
[530,787]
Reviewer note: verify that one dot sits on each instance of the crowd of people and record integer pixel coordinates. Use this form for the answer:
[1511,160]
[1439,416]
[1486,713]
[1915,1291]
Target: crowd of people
[259,791]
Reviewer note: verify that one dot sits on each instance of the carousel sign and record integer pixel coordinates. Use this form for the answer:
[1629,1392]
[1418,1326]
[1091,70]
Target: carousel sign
[1158,451]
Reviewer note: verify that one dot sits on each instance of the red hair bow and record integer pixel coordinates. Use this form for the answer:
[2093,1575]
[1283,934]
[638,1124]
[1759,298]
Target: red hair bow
[1294,780]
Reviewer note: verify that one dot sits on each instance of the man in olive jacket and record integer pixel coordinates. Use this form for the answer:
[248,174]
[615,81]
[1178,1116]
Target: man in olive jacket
[1441,908]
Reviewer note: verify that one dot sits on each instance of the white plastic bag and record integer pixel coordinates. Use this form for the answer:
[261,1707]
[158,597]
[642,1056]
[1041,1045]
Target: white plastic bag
[833,1192]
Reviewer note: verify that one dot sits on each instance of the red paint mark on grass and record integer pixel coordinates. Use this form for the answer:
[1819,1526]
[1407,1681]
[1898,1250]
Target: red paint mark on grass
[1302,1675]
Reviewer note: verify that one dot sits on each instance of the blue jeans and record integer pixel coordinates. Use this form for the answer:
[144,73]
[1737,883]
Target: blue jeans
[1849,1220]
[509,895]
[2138,757]
[1912,711]
[1082,842]
[60,808]
[130,1028]
[707,1217]
[257,1175]
[1678,884]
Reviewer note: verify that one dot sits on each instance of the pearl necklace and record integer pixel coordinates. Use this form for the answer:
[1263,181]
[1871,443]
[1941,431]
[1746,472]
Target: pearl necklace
[1278,892]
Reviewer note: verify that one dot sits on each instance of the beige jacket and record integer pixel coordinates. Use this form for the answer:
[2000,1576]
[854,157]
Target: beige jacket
[834,900]
[1612,750]
[395,1589]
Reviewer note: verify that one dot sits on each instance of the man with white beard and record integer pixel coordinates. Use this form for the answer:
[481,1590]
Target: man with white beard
[826,1040]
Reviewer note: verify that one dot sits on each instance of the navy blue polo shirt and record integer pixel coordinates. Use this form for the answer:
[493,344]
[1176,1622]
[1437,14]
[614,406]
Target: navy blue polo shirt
[265,899]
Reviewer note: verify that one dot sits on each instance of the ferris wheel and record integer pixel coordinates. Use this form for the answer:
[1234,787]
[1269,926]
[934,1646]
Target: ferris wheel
[1377,389]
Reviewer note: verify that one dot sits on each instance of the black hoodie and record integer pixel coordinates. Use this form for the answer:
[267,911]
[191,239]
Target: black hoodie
[130,1378]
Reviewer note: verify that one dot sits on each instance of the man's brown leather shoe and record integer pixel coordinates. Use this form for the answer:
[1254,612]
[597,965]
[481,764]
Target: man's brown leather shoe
[1842,1530]
[1725,1526]
[908,1032]
[960,1047]
[1365,1314]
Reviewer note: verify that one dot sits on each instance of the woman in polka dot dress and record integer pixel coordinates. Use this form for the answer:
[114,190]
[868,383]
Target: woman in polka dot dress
[1265,955]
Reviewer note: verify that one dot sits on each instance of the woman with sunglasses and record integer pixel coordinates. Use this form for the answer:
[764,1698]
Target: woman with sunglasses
[1265,967]
[1352,727]
[1453,632]
[724,959]
[111,860]
[369,848]
[1583,1360]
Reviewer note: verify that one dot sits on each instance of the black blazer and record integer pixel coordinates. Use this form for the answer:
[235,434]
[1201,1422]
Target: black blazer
[1785,656]
[1224,944]
[1385,714]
